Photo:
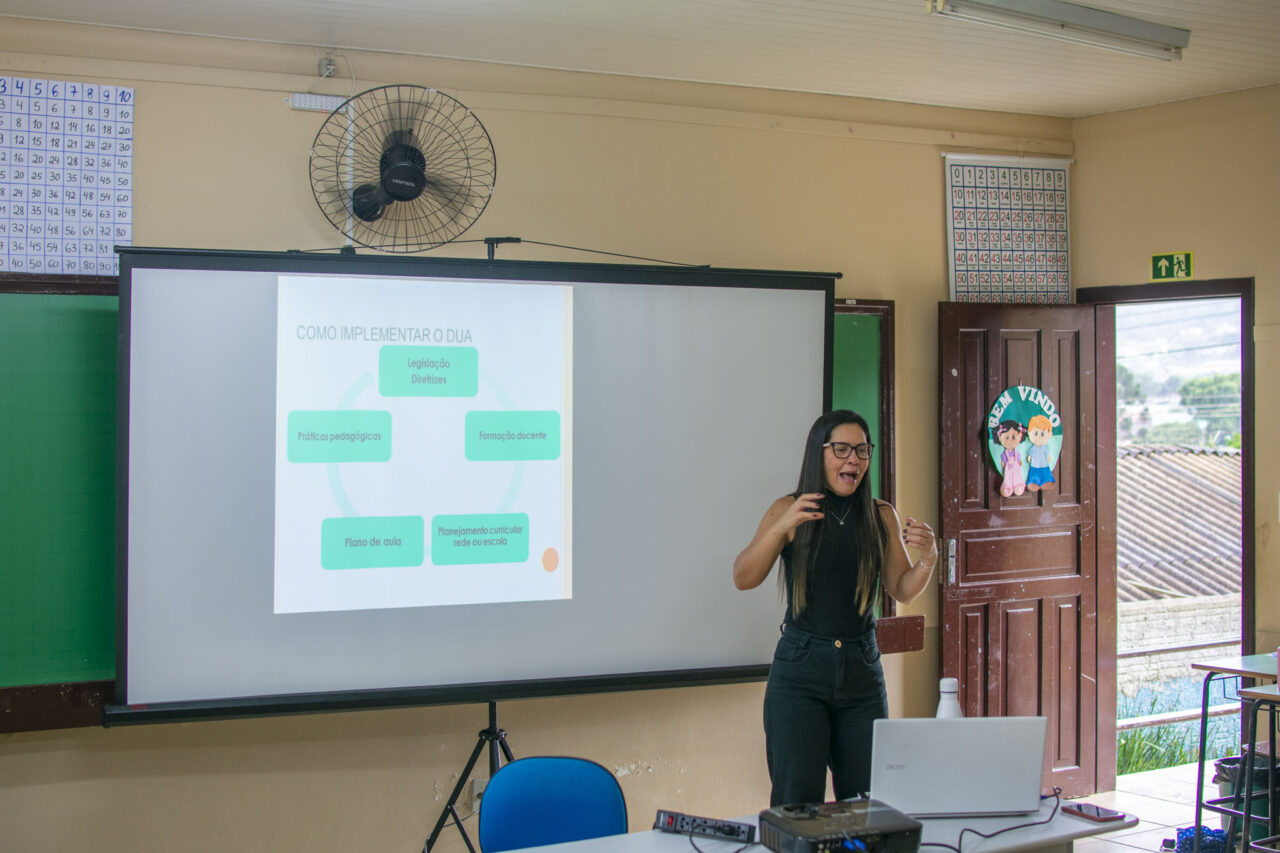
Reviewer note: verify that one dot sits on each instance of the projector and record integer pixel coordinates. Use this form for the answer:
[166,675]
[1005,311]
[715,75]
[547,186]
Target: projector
[862,826]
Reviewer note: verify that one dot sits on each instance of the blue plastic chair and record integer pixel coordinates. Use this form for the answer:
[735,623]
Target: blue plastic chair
[549,800]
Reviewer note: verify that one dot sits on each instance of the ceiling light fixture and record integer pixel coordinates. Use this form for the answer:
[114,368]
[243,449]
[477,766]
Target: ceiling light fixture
[1070,22]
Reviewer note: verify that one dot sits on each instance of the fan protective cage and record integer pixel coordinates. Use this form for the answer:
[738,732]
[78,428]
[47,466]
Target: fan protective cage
[348,166]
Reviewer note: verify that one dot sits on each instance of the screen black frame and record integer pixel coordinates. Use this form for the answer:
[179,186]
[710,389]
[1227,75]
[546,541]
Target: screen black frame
[350,263]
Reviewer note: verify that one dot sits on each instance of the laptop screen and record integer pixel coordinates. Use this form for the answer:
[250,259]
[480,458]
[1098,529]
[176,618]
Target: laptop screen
[931,767]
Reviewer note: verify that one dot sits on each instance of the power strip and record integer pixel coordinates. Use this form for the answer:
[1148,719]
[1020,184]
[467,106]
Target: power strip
[684,824]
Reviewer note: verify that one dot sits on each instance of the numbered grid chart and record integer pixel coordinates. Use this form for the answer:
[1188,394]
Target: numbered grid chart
[1008,230]
[66,176]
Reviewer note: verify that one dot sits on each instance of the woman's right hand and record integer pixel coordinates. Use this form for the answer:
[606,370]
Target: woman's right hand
[776,529]
[807,507]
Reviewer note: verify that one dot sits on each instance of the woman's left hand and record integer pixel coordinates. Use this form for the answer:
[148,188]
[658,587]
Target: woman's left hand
[916,534]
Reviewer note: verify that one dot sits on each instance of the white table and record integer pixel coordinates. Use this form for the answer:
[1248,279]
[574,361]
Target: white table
[1053,837]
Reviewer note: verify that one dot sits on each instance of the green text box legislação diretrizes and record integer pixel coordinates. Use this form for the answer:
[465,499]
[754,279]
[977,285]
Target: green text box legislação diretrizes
[428,371]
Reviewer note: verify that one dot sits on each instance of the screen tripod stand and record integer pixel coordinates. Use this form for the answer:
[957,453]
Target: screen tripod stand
[495,738]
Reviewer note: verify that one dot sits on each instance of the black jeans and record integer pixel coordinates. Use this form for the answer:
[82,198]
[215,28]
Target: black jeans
[819,705]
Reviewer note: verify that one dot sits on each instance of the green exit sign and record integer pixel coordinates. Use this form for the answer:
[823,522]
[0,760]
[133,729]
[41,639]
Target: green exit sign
[1173,265]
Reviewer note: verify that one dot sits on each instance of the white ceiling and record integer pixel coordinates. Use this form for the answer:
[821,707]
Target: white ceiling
[886,49]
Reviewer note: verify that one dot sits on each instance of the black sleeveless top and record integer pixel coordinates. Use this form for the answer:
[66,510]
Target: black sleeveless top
[831,606]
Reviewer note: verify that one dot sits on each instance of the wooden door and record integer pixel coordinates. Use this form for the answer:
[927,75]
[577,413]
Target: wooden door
[1019,599]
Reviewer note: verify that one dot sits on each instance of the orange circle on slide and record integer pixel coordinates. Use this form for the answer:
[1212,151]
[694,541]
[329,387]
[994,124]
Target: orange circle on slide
[550,559]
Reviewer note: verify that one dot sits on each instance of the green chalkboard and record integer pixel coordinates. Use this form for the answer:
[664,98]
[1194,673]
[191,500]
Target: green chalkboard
[57,488]
[855,375]
[862,379]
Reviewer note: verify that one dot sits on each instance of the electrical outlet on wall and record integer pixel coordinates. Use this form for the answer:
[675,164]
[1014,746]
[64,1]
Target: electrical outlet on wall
[475,790]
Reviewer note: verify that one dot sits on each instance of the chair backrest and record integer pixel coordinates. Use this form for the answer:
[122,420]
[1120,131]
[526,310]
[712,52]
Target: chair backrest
[549,800]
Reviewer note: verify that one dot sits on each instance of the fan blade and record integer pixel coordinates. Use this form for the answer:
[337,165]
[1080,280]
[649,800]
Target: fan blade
[447,207]
[449,195]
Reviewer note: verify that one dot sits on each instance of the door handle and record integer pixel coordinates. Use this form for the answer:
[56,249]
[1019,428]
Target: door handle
[951,562]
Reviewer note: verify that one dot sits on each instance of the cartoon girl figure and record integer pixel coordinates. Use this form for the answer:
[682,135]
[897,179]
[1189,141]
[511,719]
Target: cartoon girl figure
[1040,475]
[1010,434]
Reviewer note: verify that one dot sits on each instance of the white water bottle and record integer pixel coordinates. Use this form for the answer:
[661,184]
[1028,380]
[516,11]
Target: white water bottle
[949,698]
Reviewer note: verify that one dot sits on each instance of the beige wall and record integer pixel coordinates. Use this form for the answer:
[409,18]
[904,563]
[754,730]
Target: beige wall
[697,174]
[1202,176]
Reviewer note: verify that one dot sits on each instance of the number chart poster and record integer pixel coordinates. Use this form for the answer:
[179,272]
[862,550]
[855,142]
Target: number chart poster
[66,176]
[1007,238]
[423,443]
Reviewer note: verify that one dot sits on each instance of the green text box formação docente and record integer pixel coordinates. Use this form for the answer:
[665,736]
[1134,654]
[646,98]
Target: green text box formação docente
[428,371]
[512,436]
[371,542]
[487,538]
[339,436]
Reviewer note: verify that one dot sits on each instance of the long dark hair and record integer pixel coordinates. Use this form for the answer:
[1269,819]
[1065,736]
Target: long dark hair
[872,534]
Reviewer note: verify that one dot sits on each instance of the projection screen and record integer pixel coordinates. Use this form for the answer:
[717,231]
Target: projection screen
[351,482]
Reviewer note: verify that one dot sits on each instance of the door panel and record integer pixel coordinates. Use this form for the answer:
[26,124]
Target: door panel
[1065,627]
[974,380]
[1007,554]
[1019,612]
[1022,624]
[1069,367]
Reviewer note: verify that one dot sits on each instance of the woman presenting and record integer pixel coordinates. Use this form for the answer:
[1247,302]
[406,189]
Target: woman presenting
[837,544]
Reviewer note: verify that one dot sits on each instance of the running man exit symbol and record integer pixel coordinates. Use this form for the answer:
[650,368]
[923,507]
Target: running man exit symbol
[1170,266]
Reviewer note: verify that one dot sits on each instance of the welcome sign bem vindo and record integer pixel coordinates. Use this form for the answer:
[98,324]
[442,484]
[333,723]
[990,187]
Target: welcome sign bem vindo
[1024,436]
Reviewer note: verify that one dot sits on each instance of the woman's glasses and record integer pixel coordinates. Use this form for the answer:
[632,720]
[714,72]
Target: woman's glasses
[842,449]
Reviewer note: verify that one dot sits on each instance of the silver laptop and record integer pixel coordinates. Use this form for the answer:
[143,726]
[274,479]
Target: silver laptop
[958,767]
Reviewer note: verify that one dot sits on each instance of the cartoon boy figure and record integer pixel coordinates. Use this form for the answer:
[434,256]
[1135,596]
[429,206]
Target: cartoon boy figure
[1010,434]
[1040,476]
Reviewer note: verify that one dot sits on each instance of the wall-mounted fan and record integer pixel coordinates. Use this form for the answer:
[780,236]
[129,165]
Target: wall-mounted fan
[402,168]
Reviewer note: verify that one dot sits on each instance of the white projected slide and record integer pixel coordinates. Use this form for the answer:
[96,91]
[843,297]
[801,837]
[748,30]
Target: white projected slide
[423,443]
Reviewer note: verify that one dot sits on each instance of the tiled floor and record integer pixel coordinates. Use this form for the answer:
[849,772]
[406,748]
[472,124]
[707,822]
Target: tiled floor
[1163,801]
